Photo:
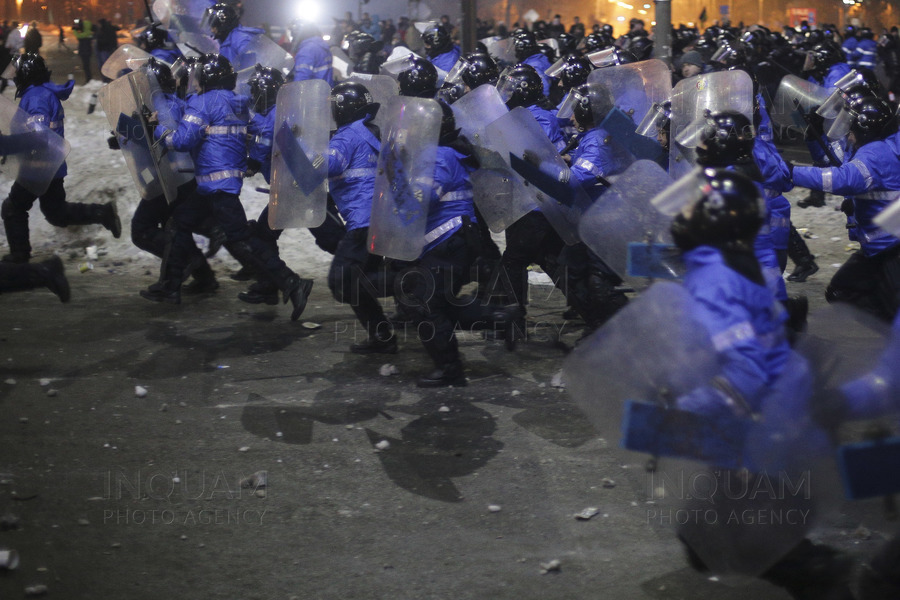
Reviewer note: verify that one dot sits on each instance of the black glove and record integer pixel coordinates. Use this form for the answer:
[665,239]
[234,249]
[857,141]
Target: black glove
[113,142]
[790,167]
[847,207]
[531,158]
[253,167]
[816,125]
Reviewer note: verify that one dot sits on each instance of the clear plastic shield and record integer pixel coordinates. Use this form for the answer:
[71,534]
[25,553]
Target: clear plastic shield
[181,15]
[795,98]
[340,62]
[478,109]
[383,89]
[502,197]
[194,44]
[265,51]
[126,58]
[651,351]
[400,60]
[298,193]
[889,219]
[715,92]
[32,153]
[124,116]
[517,137]
[636,86]
[502,50]
[624,215]
[174,168]
[404,178]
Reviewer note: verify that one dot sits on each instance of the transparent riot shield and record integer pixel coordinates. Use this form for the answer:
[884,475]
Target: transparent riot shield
[636,86]
[117,100]
[518,138]
[340,62]
[193,44]
[181,15]
[174,168]
[715,92]
[740,491]
[126,58]
[31,152]
[502,196]
[263,50]
[502,50]
[404,178]
[298,193]
[383,89]
[795,99]
[478,109]
[889,218]
[623,224]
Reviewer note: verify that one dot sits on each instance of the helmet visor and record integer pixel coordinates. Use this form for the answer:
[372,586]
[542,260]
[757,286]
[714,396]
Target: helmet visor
[456,72]
[692,135]
[398,65]
[810,62]
[604,58]
[556,68]
[723,54]
[841,125]
[567,107]
[832,105]
[506,86]
[655,120]
[682,195]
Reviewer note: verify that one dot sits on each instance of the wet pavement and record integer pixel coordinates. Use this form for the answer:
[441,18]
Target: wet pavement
[375,488]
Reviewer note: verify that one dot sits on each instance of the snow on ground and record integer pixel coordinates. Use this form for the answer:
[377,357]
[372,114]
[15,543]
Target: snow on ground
[98,174]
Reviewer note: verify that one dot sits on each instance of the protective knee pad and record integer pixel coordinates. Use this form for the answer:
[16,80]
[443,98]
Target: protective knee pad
[7,209]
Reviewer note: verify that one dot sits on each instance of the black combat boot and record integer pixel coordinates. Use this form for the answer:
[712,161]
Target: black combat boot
[815,198]
[108,216]
[443,376]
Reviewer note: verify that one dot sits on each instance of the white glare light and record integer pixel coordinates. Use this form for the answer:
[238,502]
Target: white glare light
[646,6]
[620,18]
[307,10]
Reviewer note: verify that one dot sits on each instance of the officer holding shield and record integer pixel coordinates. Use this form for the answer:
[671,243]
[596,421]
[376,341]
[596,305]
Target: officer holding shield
[41,99]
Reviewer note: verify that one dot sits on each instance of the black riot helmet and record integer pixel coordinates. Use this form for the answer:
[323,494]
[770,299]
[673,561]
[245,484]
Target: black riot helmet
[598,41]
[725,211]
[866,33]
[449,130]
[351,101]
[642,48]
[214,72]
[264,85]
[872,117]
[437,40]
[520,85]
[419,79]
[567,43]
[162,73]
[726,140]
[607,29]
[30,70]
[592,102]
[575,71]
[822,57]
[525,45]
[152,38]
[478,68]
[223,18]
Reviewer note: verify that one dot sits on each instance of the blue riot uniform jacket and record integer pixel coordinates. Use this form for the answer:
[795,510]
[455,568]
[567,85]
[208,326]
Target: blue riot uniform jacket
[867,54]
[260,133]
[352,159]
[313,61]
[214,130]
[238,43]
[44,104]
[872,180]
[550,124]
[776,179]
[446,60]
[835,72]
[166,55]
[594,157]
[849,48]
[541,63]
[452,197]
[746,326]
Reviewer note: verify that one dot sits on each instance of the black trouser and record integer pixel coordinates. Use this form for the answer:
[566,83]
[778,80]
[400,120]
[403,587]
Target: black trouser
[56,210]
[148,223]
[530,240]
[229,214]
[871,283]
[590,285]
[358,278]
[327,235]
[85,51]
